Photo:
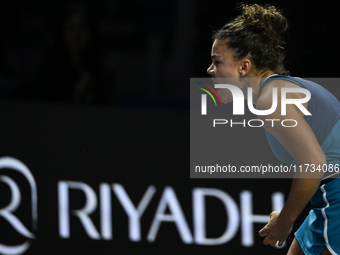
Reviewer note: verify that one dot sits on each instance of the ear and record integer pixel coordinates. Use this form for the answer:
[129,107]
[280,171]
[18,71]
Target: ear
[244,67]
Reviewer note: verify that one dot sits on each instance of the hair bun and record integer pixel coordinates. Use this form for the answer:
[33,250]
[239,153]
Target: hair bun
[263,19]
[257,34]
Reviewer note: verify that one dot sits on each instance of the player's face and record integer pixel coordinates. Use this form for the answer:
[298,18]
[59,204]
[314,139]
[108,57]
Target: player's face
[223,64]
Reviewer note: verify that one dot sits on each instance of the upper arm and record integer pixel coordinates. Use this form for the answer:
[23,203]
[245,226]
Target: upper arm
[299,141]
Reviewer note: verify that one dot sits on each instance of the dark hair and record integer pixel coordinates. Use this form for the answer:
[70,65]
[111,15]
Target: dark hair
[257,32]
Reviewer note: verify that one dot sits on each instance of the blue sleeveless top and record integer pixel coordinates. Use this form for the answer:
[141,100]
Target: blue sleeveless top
[324,121]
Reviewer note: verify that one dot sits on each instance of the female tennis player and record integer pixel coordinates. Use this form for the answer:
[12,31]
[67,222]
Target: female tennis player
[250,46]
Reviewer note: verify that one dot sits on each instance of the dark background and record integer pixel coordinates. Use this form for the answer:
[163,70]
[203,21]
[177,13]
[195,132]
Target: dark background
[147,52]
[115,145]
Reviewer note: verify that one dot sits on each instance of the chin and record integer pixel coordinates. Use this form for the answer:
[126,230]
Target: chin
[225,95]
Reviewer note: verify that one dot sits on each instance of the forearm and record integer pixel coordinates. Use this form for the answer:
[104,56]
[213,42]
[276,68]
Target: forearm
[305,183]
[301,192]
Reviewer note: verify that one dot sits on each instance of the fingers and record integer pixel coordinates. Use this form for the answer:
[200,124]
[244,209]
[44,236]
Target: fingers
[272,243]
[270,232]
[280,243]
[267,240]
[263,232]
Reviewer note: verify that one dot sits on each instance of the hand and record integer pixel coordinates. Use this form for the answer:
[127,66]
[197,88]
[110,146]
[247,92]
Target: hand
[276,230]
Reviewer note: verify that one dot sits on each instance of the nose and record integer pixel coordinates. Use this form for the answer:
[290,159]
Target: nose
[210,70]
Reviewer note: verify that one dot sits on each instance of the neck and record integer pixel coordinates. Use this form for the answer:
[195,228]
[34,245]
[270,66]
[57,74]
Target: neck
[255,82]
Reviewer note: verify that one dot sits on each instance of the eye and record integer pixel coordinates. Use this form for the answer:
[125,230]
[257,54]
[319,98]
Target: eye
[216,63]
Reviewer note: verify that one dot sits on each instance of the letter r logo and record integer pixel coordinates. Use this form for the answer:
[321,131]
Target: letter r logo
[7,212]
